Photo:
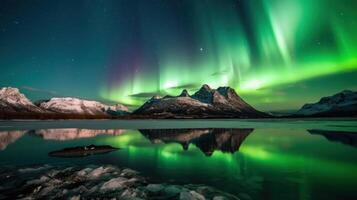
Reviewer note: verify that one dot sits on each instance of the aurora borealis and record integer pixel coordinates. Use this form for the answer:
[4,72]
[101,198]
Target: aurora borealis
[278,54]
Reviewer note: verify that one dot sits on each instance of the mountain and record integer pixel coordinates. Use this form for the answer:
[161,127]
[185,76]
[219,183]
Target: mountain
[207,140]
[12,101]
[70,105]
[15,105]
[222,102]
[343,104]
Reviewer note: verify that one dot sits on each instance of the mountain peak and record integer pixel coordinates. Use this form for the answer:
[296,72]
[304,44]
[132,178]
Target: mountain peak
[184,93]
[7,92]
[206,87]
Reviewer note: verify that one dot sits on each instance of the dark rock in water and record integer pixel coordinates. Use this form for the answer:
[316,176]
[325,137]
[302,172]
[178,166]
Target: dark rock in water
[82,151]
[93,182]
[345,137]
[222,102]
[207,140]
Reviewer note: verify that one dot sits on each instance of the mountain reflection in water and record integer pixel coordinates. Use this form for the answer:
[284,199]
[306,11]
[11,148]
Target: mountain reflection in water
[207,140]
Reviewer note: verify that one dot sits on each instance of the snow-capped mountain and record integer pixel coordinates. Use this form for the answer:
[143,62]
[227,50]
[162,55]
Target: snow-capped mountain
[205,103]
[70,105]
[340,104]
[14,104]
[12,101]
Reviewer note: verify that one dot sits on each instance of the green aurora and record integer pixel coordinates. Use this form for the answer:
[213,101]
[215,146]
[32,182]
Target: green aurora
[268,50]
[277,54]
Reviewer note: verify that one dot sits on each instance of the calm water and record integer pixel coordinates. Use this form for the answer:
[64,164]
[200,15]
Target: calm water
[289,159]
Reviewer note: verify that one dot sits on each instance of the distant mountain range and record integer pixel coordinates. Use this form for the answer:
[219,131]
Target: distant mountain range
[343,104]
[13,104]
[222,102]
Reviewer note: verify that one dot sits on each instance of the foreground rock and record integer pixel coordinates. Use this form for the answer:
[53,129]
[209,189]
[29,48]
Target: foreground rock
[343,104]
[222,102]
[83,151]
[94,182]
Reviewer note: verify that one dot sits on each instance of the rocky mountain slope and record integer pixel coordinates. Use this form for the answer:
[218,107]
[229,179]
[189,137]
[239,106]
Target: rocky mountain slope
[222,102]
[343,104]
[12,101]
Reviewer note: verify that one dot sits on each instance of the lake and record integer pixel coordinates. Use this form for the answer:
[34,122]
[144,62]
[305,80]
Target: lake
[251,159]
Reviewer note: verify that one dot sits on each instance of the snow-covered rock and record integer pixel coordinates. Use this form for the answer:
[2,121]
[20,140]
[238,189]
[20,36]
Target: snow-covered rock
[340,104]
[12,101]
[205,103]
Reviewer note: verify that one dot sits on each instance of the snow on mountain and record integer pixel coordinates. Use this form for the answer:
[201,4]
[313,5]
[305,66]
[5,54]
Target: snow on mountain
[70,105]
[340,104]
[12,101]
[207,102]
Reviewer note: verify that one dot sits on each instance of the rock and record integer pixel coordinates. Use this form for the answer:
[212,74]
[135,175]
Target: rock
[186,196]
[92,182]
[113,184]
[129,173]
[172,190]
[197,196]
[78,197]
[82,151]
[219,198]
[154,188]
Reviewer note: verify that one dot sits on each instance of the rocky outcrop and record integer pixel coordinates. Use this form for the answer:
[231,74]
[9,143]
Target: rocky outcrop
[222,102]
[94,182]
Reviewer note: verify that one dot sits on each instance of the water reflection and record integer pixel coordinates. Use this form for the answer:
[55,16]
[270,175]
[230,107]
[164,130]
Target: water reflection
[207,140]
[348,138]
[8,137]
[73,133]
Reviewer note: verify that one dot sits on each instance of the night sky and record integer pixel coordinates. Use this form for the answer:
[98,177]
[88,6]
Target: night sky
[277,54]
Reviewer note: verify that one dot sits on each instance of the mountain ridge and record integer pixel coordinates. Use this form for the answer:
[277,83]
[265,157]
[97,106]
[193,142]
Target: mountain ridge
[341,104]
[222,102]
